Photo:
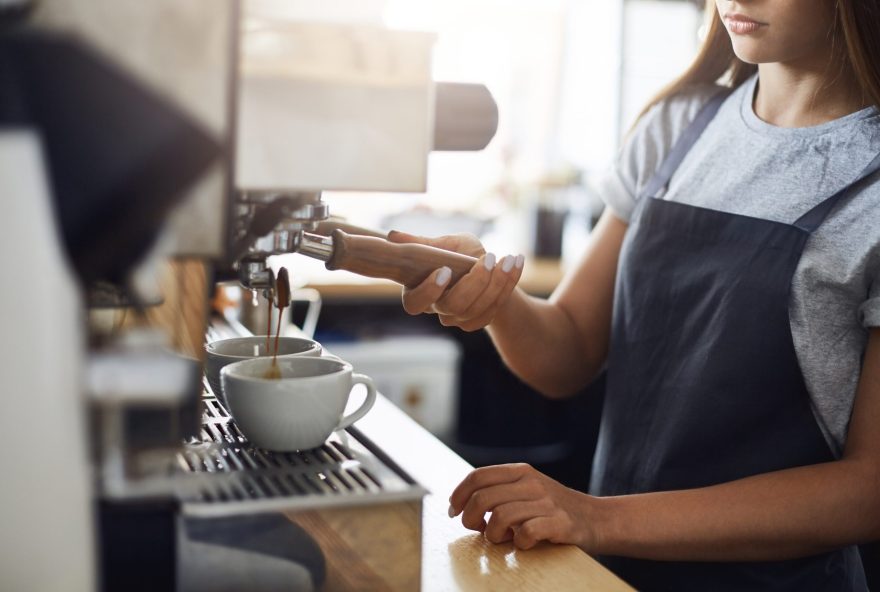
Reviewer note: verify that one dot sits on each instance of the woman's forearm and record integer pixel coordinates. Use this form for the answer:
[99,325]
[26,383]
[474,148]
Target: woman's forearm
[775,516]
[559,345]
[539,343]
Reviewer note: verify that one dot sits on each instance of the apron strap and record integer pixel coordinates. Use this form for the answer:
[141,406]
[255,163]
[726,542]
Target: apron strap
[814,218]
[684,144]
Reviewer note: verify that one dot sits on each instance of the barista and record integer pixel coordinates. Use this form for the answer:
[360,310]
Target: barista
[732,291]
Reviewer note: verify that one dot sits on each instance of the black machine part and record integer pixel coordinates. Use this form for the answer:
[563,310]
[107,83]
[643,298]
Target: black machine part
[120,158]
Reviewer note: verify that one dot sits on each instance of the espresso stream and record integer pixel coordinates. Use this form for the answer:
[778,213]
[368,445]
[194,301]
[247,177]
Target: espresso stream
[282,299]
[270,296]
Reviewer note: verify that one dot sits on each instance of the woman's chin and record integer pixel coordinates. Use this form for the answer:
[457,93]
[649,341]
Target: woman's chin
[752,53]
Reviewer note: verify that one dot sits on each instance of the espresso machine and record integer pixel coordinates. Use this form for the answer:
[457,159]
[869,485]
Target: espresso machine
[148,149]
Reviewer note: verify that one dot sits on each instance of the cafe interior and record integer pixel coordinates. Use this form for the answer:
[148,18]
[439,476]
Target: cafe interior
[192,185]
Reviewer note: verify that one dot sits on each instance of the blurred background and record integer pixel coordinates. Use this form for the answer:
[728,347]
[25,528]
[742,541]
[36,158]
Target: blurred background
[569,77]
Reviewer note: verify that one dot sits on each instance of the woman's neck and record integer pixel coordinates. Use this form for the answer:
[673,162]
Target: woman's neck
[803,95]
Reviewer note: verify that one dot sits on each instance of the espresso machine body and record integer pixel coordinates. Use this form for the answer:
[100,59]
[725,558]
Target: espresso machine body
[157,146]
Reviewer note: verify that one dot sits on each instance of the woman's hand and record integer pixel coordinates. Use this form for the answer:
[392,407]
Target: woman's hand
[526,506]
[475,299]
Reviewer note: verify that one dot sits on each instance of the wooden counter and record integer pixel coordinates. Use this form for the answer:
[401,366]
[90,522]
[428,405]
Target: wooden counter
[454,558]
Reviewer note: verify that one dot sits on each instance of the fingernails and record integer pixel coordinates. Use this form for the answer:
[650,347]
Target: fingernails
[507,263]
[452,512]
[520,261]
[443,276]
[489,261]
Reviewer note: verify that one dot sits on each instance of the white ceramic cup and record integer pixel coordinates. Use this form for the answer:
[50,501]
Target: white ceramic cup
[299,410]
[226,351]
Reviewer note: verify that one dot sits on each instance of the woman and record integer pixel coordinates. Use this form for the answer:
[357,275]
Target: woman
[732,291]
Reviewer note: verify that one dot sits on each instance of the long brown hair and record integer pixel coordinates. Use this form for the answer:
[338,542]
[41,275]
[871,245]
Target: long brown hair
[858,21]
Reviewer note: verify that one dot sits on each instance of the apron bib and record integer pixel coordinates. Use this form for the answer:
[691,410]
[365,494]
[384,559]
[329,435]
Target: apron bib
[704,385]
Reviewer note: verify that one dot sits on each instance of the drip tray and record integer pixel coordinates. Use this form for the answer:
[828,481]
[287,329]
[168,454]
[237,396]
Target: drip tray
[221,473]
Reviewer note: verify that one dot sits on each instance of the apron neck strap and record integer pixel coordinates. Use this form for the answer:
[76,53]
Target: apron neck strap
[684,144]
[814,218]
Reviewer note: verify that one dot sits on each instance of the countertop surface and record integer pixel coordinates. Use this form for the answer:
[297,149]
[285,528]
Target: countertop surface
[457,559]
[454,558]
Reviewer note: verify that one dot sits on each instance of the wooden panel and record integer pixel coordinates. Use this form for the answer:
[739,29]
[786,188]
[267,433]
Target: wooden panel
[367,548]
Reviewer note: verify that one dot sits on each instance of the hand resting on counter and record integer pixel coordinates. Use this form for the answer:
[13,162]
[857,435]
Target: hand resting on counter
[526,507]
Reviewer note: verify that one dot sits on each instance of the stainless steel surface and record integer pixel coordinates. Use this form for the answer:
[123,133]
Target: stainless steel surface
[316,246]
[254,274]
[295,207]
[285,241]
[134,383]
[267,223]
[231,476]
[267,197]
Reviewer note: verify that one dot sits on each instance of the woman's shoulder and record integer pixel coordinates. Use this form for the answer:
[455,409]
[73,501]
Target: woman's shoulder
[669,117]
[648,143]
[660,127]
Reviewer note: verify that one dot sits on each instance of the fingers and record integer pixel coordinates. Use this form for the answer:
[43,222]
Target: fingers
[474,301]
[489,498]
[467,244]
[525,506]
[396,236]
[421,299]
[531,532]
[484,308]
[507,518]
[466,291]
[482,478]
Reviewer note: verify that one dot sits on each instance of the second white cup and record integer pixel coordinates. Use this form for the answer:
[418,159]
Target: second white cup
[227,351]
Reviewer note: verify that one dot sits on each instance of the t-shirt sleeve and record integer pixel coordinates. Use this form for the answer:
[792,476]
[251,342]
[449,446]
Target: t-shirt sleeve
[646,146]
[869,311]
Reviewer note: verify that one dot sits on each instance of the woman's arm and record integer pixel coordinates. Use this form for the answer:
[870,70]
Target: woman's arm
[559,346]
[774,516]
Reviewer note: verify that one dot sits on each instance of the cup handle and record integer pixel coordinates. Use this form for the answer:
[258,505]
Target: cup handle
[367,404]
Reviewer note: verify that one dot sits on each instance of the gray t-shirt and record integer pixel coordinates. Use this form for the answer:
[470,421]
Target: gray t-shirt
[746,166]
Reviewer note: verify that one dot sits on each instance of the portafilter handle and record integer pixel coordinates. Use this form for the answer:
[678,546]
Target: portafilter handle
[408,264]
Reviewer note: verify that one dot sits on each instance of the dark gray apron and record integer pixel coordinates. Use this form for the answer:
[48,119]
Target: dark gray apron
[704,385]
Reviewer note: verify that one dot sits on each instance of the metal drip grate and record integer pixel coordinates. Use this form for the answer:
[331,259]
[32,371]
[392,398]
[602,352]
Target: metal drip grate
[226,474]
